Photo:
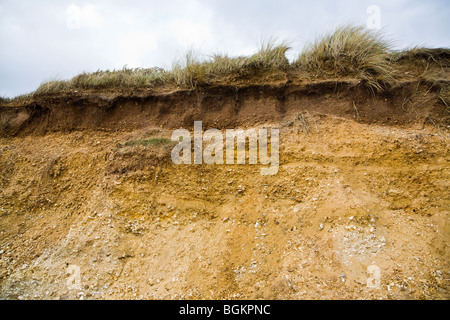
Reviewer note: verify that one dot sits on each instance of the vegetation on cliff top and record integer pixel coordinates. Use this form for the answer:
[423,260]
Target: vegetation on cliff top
[350,52]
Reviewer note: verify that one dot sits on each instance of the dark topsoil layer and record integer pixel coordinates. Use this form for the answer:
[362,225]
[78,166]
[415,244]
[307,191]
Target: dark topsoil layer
[414,102]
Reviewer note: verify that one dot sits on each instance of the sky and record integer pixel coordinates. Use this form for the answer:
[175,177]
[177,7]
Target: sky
[44,40]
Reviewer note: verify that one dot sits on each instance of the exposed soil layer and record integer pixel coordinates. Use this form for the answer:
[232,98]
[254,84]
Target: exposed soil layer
[362,186]
[222,106]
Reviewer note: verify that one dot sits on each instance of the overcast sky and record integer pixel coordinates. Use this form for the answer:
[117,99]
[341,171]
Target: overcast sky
[48,40]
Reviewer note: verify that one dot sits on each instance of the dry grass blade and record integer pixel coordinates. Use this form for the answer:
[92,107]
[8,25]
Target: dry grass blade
[301,121]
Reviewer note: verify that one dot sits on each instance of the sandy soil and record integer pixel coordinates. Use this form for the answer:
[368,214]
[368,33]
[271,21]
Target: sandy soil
[351,199]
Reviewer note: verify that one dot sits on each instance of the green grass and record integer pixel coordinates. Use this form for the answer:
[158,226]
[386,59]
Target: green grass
[348,51]
[146,142]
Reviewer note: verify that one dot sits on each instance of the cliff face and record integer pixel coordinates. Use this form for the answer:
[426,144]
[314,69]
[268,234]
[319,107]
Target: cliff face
[91,207]
[221,106]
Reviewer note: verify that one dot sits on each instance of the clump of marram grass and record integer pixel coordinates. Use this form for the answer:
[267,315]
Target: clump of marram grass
[52,87]
[4,100]
[271,55]
[125,78]
[430,55]
[191,71]
[225,65]
[424,64]
[350,51]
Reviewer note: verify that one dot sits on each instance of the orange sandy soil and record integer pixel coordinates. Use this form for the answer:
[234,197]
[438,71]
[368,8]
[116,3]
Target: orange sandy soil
[348,195]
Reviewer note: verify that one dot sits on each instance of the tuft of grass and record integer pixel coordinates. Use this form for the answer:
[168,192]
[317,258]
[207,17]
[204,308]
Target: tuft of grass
[125,78]
[192,72]
[424,64]
[4,100]
[271,55]
[350,51]
[52,87]
[146,142]
[224,65]
[432,55]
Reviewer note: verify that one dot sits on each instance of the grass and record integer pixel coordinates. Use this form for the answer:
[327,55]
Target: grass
[348,51]
[4,100]
[192,72]
[271,55]
[125,78]
[146,142]
[436,55]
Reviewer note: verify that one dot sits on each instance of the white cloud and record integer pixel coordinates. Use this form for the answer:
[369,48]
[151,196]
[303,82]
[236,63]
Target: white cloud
[85,16]
[134,46]
[188,32]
